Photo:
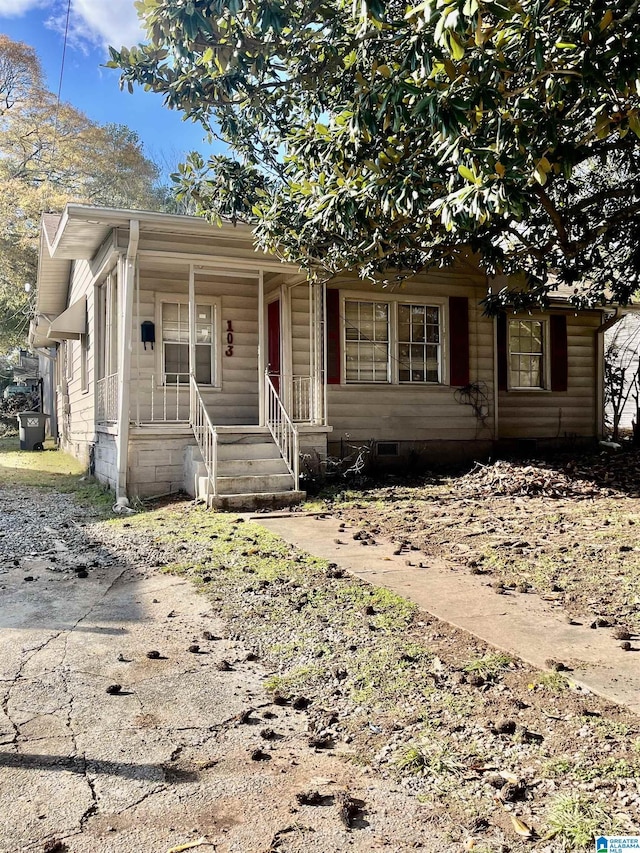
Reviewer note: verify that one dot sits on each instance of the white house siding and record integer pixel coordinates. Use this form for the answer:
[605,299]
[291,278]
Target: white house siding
[76,420]
[417,414]
[236,400]
[300,333]
[559,415]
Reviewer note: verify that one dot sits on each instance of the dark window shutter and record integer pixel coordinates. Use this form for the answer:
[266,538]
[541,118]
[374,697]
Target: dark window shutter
[458,340]
[333,337]
[559,359]
[503,359]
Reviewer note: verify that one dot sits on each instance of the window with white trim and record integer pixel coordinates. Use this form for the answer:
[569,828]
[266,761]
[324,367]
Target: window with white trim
[393,342]
[418,343]
[527,354]
[175,343]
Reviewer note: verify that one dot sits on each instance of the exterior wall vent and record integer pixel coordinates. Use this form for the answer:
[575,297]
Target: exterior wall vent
[387,448]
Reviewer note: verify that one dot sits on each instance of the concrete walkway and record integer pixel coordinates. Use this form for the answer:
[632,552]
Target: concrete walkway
[523,625]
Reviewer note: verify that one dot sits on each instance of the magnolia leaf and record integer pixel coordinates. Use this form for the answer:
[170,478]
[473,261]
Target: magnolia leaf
[634,122]
[606,20]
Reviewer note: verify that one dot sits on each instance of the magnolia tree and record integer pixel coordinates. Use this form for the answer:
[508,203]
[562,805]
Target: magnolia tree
[383,137]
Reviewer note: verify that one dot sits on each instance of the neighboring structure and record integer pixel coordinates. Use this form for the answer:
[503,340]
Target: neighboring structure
[185,359]
[26,373]
[622,352]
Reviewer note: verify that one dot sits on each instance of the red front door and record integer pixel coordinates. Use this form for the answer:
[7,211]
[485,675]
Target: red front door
[273,342]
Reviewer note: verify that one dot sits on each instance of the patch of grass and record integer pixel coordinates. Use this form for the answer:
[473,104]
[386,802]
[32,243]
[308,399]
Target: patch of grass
[607,728]
[554,682]
[391,611]
[489,666]
[609,768]
[556,767]
[292,681]
[385,675]
[51,469]
[575,821]
[436,759]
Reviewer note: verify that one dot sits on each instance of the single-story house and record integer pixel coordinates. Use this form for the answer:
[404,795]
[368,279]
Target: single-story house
[184,358]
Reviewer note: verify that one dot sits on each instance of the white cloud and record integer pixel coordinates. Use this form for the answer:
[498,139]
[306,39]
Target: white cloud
[95,23]
[15,8]
[114,22]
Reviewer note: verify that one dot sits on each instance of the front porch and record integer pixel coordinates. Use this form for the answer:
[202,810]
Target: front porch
[229,378]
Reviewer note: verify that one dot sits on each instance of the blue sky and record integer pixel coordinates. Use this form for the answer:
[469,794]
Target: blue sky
[94,24]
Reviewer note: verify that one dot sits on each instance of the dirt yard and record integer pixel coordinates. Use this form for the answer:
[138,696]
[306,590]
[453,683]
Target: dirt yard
[318,713]
[567,531]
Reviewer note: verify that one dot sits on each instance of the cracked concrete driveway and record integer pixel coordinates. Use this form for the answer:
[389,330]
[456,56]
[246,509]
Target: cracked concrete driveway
[103,748]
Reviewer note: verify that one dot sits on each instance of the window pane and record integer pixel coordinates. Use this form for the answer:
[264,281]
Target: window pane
[176,361]
[170,312]
[204,314]
[203,365]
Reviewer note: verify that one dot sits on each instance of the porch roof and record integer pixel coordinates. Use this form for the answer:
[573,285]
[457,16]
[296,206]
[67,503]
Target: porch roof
[80,230]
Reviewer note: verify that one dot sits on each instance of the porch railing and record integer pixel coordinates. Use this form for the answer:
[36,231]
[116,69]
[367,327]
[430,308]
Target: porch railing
[283,430]
[107,404]
[170,400]
[205,435]
[302,400]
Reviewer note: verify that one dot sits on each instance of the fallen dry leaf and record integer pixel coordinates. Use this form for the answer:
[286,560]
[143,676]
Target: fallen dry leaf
[520,827]
[189,845]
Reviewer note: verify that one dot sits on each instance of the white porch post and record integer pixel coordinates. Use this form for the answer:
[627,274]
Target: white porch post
[192,323]
[286,352]
[317,351]
[262,353]
[124,361]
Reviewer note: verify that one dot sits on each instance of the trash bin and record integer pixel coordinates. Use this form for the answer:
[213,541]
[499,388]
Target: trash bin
[32,426]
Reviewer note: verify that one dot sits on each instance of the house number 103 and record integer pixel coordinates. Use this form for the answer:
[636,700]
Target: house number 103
[229,349]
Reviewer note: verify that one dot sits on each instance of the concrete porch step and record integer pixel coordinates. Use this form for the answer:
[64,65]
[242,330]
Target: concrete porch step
[255,467]
[258,501]
[256,484]
[247,450]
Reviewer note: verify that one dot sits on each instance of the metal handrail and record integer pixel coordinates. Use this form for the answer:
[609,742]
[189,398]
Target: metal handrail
[205,434]
[283,430]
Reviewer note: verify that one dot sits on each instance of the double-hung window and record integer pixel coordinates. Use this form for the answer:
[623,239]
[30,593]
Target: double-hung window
[527,354]
[392,342]
[175,343]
